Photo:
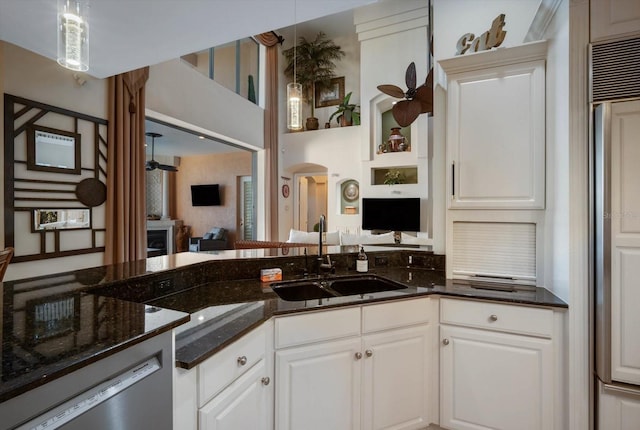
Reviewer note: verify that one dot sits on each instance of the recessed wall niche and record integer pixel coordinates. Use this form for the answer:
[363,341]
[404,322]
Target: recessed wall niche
[349,197]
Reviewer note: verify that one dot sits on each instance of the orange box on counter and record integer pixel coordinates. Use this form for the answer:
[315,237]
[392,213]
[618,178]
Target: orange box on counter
[269,275]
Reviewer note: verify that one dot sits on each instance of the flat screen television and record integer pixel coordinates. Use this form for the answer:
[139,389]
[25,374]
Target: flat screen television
[396,214]
[205,195]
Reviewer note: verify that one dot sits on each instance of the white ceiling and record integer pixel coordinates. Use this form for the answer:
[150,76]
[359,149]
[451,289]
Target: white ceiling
[128,34]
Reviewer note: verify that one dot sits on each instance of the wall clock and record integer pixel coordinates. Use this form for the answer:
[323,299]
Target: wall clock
[351,192]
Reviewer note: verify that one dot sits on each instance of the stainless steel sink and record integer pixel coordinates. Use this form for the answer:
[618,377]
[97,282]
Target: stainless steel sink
[335,286]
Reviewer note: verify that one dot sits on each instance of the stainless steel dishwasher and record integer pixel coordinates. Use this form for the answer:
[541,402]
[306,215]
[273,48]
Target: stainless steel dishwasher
[131,389]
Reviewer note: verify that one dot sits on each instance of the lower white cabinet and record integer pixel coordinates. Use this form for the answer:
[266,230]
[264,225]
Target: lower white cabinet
[231,390]
[495,374]
[242,405]
[379,379]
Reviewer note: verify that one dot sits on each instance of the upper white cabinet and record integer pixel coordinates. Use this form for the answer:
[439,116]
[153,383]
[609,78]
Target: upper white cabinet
[495,128]
[614,19]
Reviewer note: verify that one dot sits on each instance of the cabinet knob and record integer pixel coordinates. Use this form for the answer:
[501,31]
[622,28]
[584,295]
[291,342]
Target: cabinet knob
[358,355]
[266,380]
[242,360]
[493,318]
[445,341]
[368,353]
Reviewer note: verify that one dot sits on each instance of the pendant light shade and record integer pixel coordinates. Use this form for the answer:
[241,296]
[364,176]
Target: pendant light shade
[73,34]
[294,106]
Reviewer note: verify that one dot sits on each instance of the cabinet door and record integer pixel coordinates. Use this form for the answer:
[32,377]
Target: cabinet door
[625,242]
[396,379]
[318,386]
[492,380]
[496,137]
[242,405]
[611,19]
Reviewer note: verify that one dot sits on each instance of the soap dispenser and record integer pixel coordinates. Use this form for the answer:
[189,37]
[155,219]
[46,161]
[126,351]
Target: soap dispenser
[362,263]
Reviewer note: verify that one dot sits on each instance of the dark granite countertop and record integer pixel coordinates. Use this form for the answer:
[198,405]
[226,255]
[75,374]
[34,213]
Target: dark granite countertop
[47,334]
[224,311]
[210,300]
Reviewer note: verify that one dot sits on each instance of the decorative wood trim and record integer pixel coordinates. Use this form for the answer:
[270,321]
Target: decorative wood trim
[579,372]
[545,13]
[497,57]
[31,112]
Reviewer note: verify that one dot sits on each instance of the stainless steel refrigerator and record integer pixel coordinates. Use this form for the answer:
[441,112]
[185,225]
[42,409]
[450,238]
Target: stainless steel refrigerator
[615,96]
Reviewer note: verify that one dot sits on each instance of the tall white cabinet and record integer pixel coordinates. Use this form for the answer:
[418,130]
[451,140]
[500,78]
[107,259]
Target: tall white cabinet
[614,19]
[495,160]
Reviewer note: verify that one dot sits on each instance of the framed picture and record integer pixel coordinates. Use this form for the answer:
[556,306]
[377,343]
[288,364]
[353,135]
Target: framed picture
[332,95]
[52,150]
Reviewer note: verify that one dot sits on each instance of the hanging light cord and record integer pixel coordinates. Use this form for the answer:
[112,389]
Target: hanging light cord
[295,38]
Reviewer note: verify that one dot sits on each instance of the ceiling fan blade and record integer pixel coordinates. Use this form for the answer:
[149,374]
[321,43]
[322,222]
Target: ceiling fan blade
[151,165]
[429,81]
[392,90]
[167,167]
[406,111]
[410,76]
[424,95]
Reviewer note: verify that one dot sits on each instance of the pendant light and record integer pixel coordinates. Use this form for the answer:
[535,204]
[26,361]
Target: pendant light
[73,34]
[294,89]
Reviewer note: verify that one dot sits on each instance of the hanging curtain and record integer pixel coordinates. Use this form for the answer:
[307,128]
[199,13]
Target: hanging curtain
[126,229]
[271,40]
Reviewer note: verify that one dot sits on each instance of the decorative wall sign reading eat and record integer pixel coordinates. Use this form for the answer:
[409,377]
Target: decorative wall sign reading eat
[487,40]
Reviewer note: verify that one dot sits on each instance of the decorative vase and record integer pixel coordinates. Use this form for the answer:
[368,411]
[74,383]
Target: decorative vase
[396,140]
[345,122]
[312,123]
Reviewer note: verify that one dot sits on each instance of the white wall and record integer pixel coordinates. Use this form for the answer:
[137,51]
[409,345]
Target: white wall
[338,150]
[37,78]
[557,213]
[453,18]
[179,91]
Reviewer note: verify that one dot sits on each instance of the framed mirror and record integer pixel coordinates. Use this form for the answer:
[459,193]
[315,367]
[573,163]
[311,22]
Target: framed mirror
[61,219]
[52,150]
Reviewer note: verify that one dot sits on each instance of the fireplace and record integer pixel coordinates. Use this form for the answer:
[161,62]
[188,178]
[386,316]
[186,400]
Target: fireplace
[161,237]
[157,242]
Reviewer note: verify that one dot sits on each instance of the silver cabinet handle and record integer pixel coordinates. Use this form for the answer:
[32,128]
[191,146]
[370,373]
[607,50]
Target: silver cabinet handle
[368,353]
[493,318]
[242,360]
[358,355]
[266,380]
[445,341]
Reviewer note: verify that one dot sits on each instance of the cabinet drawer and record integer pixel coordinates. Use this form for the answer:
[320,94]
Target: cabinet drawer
[217,372]
[494,316]
[385,316]
[317,326]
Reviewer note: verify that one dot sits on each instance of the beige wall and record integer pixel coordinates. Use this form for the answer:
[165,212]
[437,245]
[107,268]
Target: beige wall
[220,169]
[28,75]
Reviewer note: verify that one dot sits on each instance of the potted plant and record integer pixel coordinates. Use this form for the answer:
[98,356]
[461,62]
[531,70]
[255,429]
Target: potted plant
[394,176]
[314,64]
[346,112]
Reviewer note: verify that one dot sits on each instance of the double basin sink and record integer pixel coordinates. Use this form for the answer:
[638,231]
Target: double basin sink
[333,286]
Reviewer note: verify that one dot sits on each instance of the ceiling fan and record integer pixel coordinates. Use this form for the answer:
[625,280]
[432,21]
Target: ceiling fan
[153,164]
[417,100]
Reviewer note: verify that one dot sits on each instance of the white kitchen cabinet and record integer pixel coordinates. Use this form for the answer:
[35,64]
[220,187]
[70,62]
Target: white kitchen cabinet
[373,370]
[243,405]
[614,19]
[495,128]
[618,408]
[497,367]
[395,379]
[318,386]
[233,389]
